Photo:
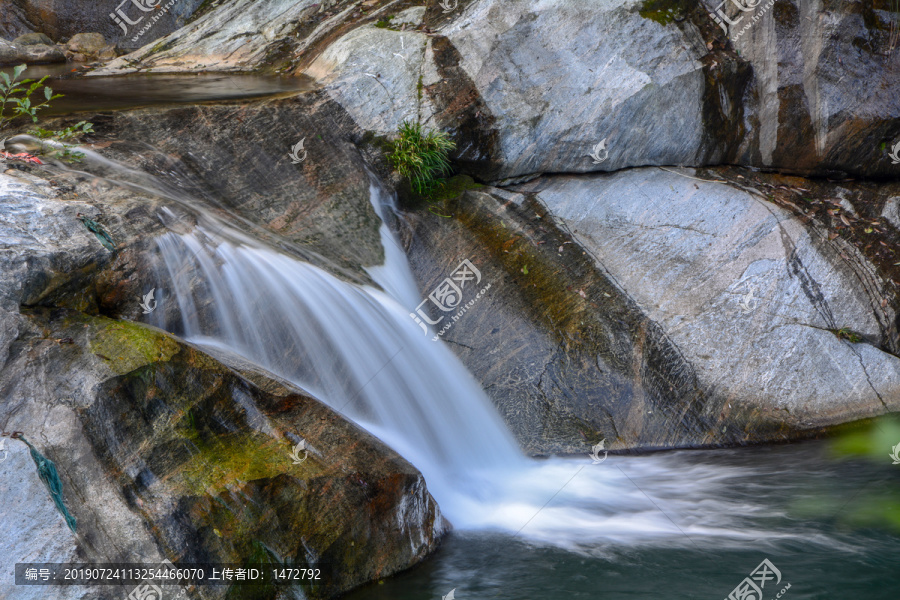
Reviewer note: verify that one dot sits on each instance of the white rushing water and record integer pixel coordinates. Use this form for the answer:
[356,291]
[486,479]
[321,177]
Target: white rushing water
[357,349]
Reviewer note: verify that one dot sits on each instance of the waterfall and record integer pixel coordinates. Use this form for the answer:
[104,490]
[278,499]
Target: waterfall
[356,348]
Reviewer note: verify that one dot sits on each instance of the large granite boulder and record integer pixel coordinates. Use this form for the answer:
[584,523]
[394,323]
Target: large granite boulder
[690,310]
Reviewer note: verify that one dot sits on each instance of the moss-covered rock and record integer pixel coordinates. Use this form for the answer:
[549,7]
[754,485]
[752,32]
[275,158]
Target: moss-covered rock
[208,458]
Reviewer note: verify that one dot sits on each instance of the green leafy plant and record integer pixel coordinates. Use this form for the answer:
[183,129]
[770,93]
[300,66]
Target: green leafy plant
[68,134]
[421,157]
[15,96]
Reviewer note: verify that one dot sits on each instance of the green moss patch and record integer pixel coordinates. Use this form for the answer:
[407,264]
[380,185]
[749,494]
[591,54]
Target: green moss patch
[127,346]
[663,11]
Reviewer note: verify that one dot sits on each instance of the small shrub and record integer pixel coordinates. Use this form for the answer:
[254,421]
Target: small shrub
[421,157]
[15,96]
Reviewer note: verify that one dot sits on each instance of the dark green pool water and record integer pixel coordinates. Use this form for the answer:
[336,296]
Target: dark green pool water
[825,522]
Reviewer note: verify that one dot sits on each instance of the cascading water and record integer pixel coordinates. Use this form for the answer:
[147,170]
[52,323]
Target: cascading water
[356,348]
[353,347]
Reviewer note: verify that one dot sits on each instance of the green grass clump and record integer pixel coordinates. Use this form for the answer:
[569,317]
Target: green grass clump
[421,157]
[662,11]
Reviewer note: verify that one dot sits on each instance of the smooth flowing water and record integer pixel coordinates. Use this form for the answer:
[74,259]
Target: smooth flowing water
[675,525]
[357,349]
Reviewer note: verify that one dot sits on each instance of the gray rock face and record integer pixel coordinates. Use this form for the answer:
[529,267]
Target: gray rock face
[68,382]
[375,74]
[33,529]
[814,105]
[749,295]
[411,16]
[242,35]
[43,53]
[561,77]
[535,88]
[687,313]
[539,118]
[240,156]
[891,211]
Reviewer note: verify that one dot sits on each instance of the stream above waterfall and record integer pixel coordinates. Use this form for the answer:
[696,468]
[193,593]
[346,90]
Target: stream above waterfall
[82,93]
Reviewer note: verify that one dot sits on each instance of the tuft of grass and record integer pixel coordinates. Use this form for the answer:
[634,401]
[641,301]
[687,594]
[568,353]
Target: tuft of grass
[662,11]
[421,157]
[383,23]
[846,334]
